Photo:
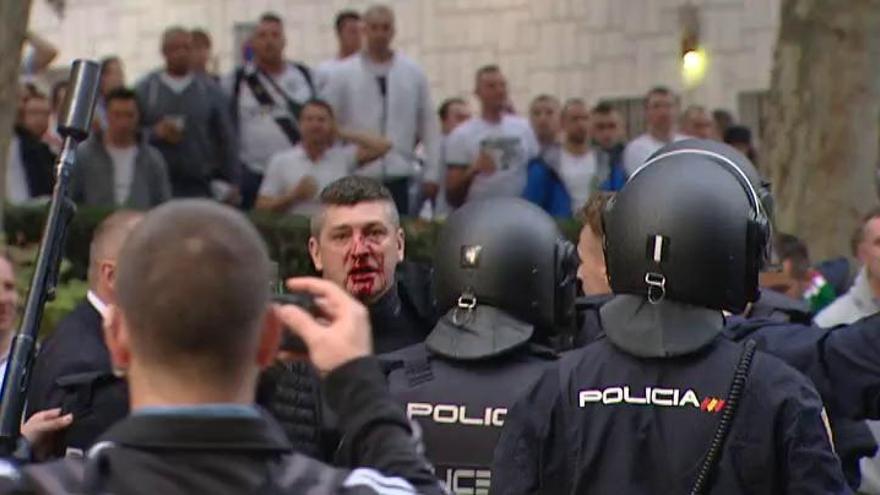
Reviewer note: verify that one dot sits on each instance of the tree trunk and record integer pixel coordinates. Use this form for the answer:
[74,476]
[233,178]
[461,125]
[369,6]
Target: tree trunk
[820,146]
[13,25]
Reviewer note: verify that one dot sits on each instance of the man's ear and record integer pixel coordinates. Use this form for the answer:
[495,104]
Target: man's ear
[118,338]
[401,244]
[270,339]
[315,253]
[107,272]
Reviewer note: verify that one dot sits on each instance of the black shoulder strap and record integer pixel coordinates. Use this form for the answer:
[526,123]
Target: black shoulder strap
[286,123]
[236,90]
[710,462]
[307,75]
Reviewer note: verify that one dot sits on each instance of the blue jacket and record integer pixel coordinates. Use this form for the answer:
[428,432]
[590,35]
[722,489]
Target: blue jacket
[545,189]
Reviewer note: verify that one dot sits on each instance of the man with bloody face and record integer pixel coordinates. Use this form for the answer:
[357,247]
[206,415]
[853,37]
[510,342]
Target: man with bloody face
[357,242]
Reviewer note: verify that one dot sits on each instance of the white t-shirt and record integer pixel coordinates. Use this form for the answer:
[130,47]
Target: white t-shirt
[123,170]
[176,84]
[288,168]
[511,143]
[578,173]
[641,148]
[260,137]
[324,72]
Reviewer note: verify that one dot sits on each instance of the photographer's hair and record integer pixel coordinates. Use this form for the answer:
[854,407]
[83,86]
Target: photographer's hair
[352,190]
[192,288]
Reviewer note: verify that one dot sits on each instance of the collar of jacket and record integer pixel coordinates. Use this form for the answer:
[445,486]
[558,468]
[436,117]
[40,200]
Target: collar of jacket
[188,432]
[387,306]
[666,329]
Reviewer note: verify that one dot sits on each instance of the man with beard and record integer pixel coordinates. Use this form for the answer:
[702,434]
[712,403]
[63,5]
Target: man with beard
[357,242]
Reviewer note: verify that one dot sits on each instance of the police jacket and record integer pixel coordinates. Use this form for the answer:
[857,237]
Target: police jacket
[609,421]
[461,405]
[841,361]
[232,453]
[798,346]
[809,350]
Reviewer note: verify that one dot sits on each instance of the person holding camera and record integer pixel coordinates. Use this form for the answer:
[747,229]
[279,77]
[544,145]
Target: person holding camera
[191,330]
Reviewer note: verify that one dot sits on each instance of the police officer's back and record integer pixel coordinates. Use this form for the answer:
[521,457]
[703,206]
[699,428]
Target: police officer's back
[505,279]
[637,411]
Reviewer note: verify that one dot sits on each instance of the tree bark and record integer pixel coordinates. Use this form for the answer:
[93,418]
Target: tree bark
[13,25]
[820,145]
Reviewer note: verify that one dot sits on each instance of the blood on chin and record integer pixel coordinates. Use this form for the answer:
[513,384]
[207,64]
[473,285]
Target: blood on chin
[363,286]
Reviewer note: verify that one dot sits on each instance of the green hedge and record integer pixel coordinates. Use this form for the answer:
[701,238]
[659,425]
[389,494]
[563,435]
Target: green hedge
[286,236]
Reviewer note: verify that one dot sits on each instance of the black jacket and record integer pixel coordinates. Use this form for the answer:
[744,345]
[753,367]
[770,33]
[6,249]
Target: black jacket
[405,316]
[177,453]
[461,405]
[38,161]
[73,371]
[591,426]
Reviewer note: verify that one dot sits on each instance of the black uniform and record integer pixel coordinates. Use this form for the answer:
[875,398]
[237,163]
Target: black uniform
[462,405]
[809,350]
[662,402]
[593,426]
[404,315]
[493,339]
[233,452]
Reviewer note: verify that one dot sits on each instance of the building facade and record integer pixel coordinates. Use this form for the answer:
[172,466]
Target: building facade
[592,49]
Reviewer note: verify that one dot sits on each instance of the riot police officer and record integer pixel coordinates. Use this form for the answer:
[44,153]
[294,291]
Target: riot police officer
[836,364]
[505,279]
[662,403]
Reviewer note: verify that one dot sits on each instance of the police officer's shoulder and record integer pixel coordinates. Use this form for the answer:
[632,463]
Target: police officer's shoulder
[775,381]
[399,361]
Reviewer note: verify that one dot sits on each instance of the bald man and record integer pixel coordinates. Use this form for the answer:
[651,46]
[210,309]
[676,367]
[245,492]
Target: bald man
[73,369]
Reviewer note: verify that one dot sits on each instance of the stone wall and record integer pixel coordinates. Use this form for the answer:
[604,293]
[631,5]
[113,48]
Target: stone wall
[586,48]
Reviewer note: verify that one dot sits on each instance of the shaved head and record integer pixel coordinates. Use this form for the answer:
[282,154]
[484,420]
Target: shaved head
[192,287]
[109,237]
[380,12]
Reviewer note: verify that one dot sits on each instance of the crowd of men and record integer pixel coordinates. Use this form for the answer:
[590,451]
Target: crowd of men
[272,133]
[687,350]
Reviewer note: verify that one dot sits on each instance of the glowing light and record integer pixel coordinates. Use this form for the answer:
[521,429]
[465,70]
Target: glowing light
[693,66]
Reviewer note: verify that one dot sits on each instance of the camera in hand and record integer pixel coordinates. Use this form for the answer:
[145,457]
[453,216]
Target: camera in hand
[289,341]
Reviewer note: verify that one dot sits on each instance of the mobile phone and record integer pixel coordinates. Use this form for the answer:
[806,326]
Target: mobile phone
[290,341]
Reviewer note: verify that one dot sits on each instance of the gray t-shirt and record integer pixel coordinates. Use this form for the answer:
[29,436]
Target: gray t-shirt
[510,142]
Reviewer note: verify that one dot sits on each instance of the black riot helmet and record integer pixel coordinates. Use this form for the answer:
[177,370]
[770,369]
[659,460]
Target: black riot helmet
[690,227]
[761,185]
[507,254]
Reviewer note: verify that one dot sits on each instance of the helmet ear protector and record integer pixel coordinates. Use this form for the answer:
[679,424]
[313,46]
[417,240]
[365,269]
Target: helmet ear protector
[758,231]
